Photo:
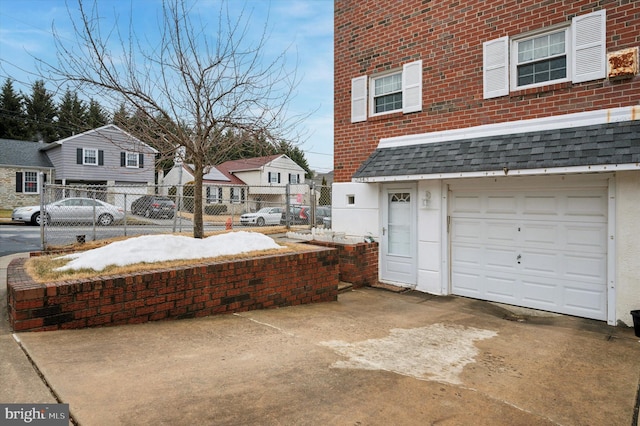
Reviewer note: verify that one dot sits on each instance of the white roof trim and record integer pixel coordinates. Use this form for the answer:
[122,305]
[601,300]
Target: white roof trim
[565,121]
[599,168]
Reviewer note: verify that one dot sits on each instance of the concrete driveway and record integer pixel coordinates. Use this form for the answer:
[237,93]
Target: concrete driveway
[374,357]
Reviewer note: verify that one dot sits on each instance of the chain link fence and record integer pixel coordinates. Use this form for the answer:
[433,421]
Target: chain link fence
[81,213]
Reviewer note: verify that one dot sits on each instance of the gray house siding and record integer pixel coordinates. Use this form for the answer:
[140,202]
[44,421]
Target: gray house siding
[111,144]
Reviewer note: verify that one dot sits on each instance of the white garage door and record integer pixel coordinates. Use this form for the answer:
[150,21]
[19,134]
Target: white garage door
[543,249]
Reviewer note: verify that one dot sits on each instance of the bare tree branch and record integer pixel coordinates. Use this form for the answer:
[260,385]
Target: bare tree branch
[191,88]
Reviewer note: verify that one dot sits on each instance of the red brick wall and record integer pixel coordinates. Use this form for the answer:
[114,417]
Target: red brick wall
[194,291]
[358,262]
[374,36]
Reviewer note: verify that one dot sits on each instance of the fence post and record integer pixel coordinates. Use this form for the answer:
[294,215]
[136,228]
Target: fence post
[287,195]
[125,214]
[43,214]
[312,201]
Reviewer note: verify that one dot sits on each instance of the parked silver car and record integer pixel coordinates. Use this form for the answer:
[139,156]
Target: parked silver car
[69,210]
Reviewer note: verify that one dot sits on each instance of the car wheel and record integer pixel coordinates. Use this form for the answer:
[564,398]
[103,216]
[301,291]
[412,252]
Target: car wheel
[35,219]
[260,221]
[105,219]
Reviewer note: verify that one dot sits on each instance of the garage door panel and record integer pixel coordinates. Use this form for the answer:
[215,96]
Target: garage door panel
[468,230]
[500,232]
[586,268]
[499,259]
[501,288]
[540,235]
[540,263]
[587,207]
[467,204]
[560,235]
[538,205]
[505,204]
[586,238]
[539,293]
[465,256]
[585,301]
[467,283]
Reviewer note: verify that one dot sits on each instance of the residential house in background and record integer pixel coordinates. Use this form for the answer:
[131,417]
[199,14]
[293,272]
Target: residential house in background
[494,151]
[23,168]
[252,182]
[106,156]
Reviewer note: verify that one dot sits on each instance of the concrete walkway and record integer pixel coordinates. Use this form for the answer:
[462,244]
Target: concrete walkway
[374,357]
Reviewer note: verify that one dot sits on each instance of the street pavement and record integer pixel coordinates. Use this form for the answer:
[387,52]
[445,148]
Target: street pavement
[374,357]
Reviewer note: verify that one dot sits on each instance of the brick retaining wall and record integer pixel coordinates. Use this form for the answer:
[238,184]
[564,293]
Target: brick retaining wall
[358,262]
[193,291]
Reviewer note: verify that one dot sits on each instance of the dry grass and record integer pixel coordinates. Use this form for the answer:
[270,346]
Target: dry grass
[42,268]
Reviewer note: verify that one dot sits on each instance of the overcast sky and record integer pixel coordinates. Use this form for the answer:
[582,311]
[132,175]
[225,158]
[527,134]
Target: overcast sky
[302,27]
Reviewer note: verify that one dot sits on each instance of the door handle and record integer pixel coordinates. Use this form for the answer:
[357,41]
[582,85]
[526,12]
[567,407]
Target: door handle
[383,230]
[518,258]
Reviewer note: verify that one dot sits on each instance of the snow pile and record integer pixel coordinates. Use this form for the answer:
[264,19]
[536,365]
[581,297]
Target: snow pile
[160,248]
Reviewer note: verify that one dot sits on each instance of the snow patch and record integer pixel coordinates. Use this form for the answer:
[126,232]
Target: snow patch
[161,248]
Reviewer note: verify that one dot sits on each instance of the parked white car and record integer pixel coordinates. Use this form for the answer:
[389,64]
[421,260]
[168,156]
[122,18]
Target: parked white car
[78,210]
[264,216]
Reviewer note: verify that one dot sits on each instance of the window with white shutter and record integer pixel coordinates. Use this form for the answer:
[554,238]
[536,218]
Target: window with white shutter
[398,90]
[575,52]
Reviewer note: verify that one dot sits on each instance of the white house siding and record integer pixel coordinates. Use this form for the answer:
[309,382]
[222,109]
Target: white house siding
[360,218]
[627,245]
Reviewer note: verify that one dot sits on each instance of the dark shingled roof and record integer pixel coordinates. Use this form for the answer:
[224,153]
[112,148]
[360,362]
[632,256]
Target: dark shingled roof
[15,153]
[611,143]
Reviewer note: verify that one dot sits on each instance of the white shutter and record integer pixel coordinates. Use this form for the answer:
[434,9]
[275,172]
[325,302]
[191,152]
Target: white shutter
[588,37]
[412,87]
[495,67]
[359,99]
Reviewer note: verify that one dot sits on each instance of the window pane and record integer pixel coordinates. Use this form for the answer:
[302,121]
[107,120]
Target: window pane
[525,51]
[132,159]
[556,43]
[389,84]
[90,156]
[388,103]
[31,182]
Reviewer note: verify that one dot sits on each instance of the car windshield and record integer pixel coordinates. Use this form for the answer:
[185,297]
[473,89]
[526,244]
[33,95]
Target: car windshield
[264,210]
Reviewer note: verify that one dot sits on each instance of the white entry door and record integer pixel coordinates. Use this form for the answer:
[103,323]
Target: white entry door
[398,242]
[543,249]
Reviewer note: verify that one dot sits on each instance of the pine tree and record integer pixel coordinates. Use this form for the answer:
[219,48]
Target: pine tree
[41,114]
[121,117]
[72,115]
[12,117]
[96,116]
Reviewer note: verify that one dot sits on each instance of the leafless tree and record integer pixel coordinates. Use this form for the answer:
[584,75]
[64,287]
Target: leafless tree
[190,88]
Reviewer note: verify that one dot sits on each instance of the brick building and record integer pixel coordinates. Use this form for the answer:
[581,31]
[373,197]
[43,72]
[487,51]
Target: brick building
[493,148]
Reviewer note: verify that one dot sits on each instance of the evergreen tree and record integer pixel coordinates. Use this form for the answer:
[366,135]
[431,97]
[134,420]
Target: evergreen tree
[41,114]
[121,117]
[96,116]
[12,117]
[72,115]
